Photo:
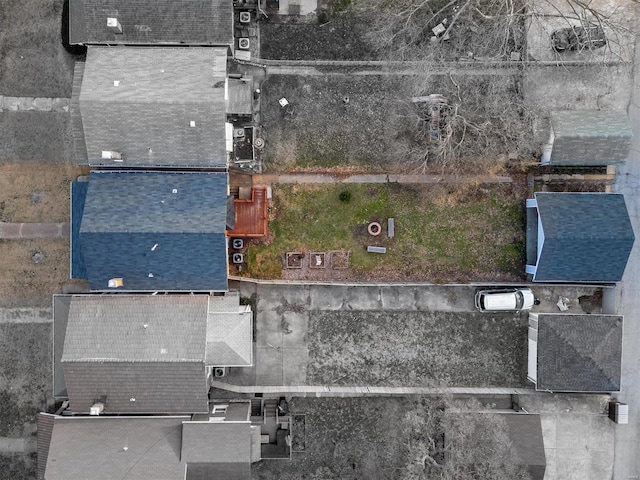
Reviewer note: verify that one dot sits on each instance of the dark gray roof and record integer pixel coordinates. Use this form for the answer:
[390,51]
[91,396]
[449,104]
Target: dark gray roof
[93,448]
[525,433]
[134,227]
[213,442]
[590,137]
[147,348]
[147,116]
[579,353]
[587,237]
[191,22]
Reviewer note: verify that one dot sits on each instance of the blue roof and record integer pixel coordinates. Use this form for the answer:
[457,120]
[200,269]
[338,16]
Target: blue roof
[587,237]
[155,230]
[78,195]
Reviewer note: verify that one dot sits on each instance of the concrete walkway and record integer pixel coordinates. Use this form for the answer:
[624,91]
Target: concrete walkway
[31,104]
[34,230]
[627,437]
[301,178]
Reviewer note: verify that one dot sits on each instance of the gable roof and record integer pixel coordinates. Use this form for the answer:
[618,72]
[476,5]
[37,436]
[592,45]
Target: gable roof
[525,433]
[155,230]
[146,448]
[579,353]
[191,22]
[229,333]
[136,354]
[590,137]
[141,102]
[587,237]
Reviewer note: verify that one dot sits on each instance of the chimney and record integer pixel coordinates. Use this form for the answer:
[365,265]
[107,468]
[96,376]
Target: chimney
[114,25]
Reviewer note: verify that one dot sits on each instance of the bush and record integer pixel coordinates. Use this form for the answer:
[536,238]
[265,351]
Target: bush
[345,196]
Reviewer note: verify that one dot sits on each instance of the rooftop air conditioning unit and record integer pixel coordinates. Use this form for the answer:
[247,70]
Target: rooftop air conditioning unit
[245,17]
[238,133]
[244,43]
[219,372]
[237,258]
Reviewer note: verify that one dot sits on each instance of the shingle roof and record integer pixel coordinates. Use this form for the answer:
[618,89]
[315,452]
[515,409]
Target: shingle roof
[587,237]
[135,227]
[213,442]
[194,22]
[579,353]
[147,117]
[229,333]
[590,137]
[96,448]
[45,429]
[218,471]
[525,433]
[147,348]
[133,328]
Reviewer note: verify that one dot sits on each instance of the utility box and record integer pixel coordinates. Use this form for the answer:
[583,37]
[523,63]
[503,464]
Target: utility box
[619,412]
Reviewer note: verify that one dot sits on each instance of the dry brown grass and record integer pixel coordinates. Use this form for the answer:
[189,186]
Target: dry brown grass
[24,283]
[36,192]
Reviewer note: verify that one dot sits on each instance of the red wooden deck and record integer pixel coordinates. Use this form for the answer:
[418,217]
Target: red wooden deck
[251,216]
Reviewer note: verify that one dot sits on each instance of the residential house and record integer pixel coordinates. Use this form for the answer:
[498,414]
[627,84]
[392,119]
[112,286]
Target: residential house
[587,138]
[575,353]
[150,231]
[577,237]
[218,445]
[146,354]
[151,22]
[151,107]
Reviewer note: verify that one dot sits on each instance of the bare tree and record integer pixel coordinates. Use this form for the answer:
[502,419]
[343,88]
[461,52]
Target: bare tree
[446,442]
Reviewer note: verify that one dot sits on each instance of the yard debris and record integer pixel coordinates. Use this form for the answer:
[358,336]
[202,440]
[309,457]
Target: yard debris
[374,249]
[563,304]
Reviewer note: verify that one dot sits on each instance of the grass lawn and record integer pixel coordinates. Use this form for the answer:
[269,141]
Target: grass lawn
[24,283]
[442,234]
[36,137]
[33,61]
[385,348]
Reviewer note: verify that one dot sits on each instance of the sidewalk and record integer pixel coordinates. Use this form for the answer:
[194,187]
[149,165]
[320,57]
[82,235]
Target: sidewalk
[378,178]
[33,230]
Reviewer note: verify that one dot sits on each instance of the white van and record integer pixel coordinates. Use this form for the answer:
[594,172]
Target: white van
[505,299]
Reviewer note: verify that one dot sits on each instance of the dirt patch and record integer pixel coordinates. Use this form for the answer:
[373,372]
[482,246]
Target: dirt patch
[417,348]
[25,283]
[33,60]
[591,303]
[36,192]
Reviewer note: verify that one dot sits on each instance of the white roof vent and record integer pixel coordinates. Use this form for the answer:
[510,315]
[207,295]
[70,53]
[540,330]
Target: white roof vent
[192,123]
[115,282]
[175,190]
[114,25]
[96,409]
[111,155]
[116,83]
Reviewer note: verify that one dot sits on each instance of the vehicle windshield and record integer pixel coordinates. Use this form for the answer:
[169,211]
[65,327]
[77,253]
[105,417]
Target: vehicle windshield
[519,299]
